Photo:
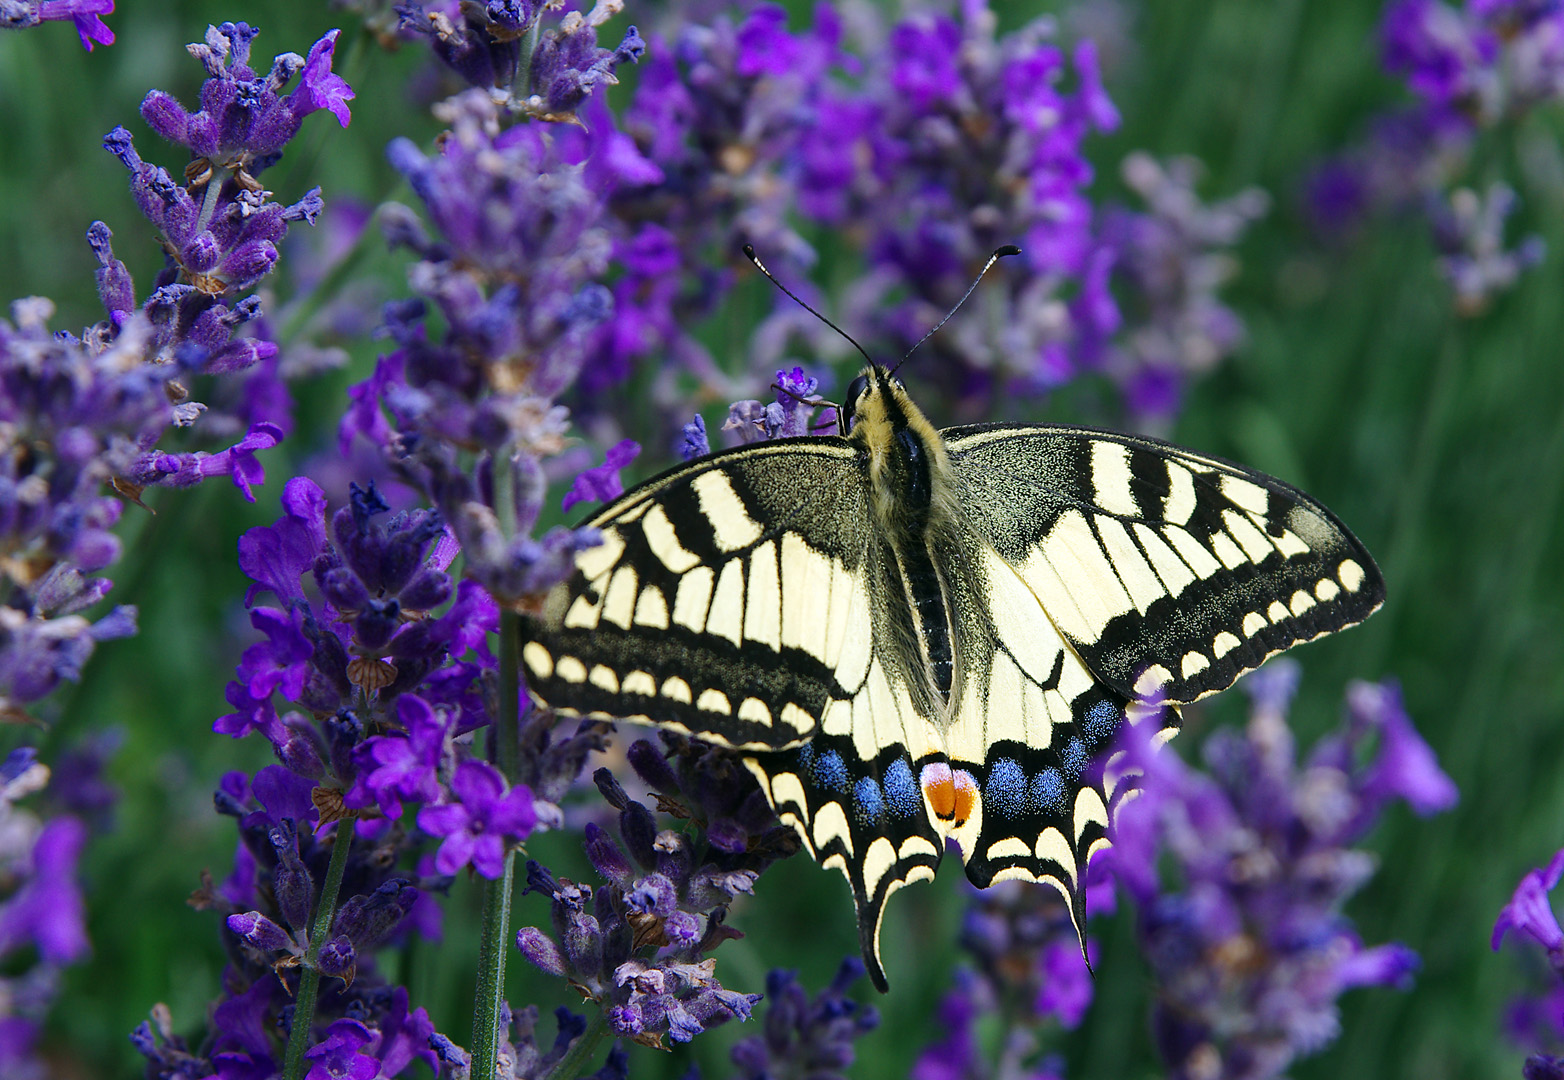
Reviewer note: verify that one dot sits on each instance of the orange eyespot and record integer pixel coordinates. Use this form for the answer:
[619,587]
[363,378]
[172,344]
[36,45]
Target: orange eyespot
[952,793]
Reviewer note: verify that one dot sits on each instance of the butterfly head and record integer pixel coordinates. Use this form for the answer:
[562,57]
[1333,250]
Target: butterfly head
[874,398]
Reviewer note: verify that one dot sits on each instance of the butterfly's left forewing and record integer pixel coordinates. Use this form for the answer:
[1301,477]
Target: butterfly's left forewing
[1169,573]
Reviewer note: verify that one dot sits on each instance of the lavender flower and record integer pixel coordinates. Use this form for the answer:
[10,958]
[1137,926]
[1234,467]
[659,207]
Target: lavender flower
[1251,954]
[485,819]
[42,916]
[1536,1021]
[491,381]
[86,14]
[974,140]
[491,46]
[74,416]
[1489,60]
[1027,971]
[220,229]
[804,1035]
[1474,66]
[1528,913]
[637,945]
[1469,232]
[1171,258]
[522,1056]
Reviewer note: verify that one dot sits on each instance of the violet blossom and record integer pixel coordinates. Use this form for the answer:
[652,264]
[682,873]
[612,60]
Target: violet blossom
[1473,66]
[85,14]
[42,910]
[1252,950]
[638,945]
[494,46]
[1537,1021]
[804,1035]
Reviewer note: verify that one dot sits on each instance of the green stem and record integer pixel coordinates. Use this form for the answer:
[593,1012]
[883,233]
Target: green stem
[214,188]
[490,995]
[582,1052]
[303,308]
[507,726]
[528,47]
[495,932]
[309,976]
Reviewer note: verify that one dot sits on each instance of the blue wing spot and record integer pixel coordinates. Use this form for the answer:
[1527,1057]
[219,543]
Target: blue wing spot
[1048,790]
[1100,722]
[901,790]
[1073,758]
[868,801]
[1006,788]
[830,771]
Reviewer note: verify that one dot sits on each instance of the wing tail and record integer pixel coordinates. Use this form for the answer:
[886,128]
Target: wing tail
[864,818]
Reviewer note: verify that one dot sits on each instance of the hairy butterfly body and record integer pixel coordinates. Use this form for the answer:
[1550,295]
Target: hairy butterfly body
[925,635]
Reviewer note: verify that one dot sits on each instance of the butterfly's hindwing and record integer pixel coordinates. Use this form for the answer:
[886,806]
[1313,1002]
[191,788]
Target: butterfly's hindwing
[866,818]
[726,600]
[1170,573]
[1026,736]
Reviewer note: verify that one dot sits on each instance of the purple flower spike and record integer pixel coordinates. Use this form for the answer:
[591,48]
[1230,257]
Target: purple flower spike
[806,1035]
[1252,951]
[485,820]
[48,910]
[1529,912]
[1405,766]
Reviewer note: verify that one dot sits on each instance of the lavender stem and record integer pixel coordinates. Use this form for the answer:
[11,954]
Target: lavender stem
[489,1006]
[309,975]
[582,1051]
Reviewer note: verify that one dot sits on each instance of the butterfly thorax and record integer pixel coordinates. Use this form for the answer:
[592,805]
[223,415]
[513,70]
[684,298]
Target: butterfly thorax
[913,508]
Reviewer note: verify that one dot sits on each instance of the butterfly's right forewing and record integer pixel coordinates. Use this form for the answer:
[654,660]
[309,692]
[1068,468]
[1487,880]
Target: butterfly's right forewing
[1171,573]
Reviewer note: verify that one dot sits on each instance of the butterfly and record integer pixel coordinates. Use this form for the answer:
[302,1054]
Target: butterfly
[919,636]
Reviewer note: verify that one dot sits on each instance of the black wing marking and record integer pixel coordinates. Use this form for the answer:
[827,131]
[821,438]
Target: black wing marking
[726,601]
[1171,573]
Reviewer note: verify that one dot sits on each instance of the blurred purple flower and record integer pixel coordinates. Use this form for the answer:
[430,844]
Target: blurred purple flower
[804,1035]
[601,483]
[1252,951]
[1405,766]
[1170,261]
[1529,913]
[48,911]
[1469,233]
[1488,60]
[1537,1022]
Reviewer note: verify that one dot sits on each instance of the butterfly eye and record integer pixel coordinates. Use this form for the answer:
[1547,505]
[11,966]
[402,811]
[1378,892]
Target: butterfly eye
[856,389]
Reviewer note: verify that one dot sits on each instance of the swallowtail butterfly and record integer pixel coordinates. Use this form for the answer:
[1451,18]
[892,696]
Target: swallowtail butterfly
[920,635]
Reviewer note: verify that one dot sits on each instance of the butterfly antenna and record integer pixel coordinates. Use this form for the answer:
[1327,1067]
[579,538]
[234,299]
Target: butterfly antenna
[749,253]
[999,253]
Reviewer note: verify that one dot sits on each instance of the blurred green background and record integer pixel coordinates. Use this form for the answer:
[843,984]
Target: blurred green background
[1439,439]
